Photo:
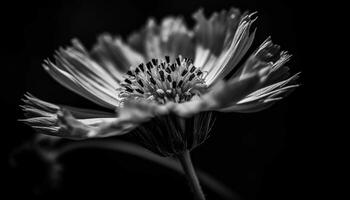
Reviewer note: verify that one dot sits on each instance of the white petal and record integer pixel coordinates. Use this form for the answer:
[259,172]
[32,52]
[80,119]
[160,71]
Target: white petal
[264,97]
[46,118]
[230,57]
[221,95]
[70,82]
[83,75]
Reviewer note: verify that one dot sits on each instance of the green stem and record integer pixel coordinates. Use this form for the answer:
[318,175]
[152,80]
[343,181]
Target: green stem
[185,160]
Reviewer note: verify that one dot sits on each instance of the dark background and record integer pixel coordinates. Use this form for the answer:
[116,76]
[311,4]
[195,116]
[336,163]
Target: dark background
[265,155]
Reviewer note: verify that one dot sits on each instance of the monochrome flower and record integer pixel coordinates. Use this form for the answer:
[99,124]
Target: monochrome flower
[164,82]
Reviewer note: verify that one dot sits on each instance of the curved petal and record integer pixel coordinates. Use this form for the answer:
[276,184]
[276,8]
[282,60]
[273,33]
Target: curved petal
[75,70]
[274,87]
[44,117]
[264,97]
[214,33]
[222,94]
[60,121]
[130,116]
[218,66]
[268,54]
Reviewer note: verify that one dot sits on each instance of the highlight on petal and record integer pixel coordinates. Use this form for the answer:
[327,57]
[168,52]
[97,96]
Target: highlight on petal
[264,97]
[130,115]
[219,97]
[272,54]
[222,94]
[235,48]
[46,118]
[268,54]
[147,78]
[75,70]
[276,83]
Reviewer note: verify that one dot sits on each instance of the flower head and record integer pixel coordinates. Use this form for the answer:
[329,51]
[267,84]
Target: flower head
[164,82]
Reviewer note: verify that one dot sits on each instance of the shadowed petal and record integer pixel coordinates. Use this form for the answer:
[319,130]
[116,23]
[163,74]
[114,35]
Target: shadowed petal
[171,38]
[274,87]
[267,54]
[177,40]
[214,33]
[115,56]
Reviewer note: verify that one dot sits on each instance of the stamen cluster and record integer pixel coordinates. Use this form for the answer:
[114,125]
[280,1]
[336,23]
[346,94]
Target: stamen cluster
[163,81]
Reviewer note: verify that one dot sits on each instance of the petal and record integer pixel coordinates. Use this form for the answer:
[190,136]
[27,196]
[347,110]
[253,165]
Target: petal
[147,41]
[79,128]
[222,94]
[70,82]
[220,66]
[135,112]
[115,56]
[130,116]
[44,117]
[264,97]
[275,85]
[75,70]
[219,96]
[176,38]
[214,33]
[267,54]
[171,38]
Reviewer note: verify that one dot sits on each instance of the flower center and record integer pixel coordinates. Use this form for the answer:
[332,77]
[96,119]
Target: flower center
[163,81]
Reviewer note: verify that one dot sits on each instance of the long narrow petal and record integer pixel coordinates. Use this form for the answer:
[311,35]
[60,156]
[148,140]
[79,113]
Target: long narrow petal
[267,54]
[75,70]
[222,94]
[44,117]
[70,82]
[225,62]
[274,87]
[264,97]
[129,117]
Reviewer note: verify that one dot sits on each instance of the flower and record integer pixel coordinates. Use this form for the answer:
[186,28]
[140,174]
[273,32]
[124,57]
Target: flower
[164,82]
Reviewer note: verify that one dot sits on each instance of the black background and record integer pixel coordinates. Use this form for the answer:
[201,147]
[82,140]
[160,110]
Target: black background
[265,155]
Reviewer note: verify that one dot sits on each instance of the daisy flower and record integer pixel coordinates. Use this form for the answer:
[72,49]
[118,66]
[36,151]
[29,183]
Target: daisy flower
[163,84]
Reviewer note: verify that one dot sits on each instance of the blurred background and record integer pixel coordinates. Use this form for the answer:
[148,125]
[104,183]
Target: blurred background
[265,155]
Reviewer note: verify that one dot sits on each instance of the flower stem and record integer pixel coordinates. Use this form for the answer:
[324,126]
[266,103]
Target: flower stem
[185,160]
